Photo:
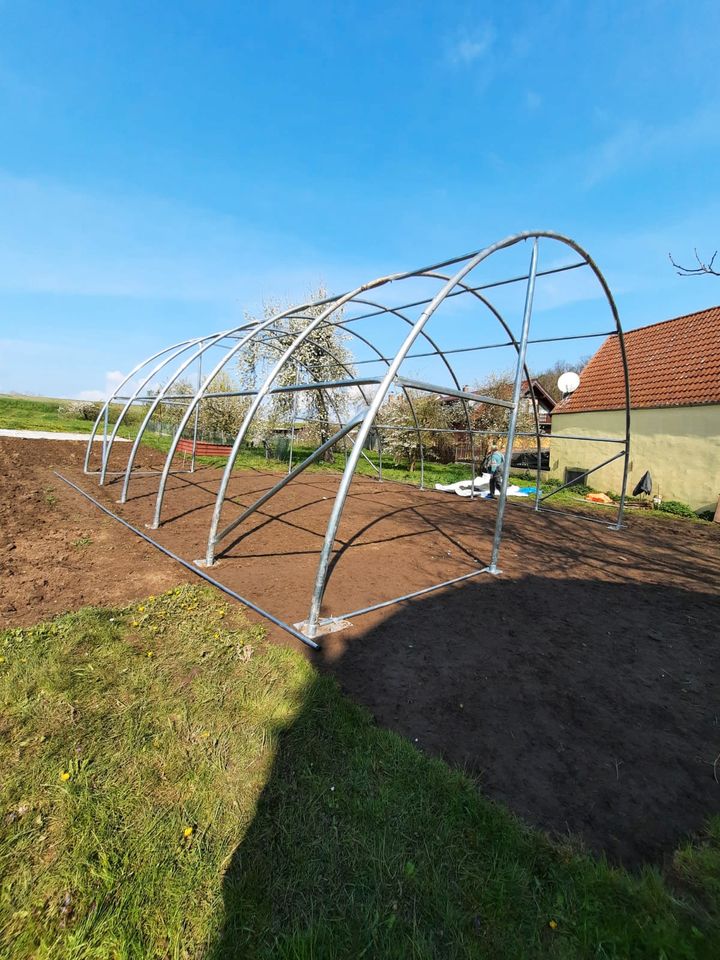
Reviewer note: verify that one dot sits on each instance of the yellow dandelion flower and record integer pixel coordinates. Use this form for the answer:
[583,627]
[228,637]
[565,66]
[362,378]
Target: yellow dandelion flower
[216,636]
[222,613]
[149,653]
[65,775]
[141,609]
[553,924]
[188,832]
[2,659]
[135,624]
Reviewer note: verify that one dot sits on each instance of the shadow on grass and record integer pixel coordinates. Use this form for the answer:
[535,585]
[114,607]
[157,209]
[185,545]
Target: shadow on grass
[587,708]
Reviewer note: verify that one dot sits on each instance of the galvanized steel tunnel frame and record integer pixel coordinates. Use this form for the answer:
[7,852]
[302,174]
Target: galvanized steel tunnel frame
[234,340]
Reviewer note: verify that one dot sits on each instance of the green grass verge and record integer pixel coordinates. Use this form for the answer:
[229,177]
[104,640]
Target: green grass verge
[173,787]
[26,413]
[30,413]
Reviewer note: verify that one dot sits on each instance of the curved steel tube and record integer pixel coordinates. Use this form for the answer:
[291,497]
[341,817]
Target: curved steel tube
[116,392]
[256,329]
[211,342]
[155,370]
[259,327]
[302,337]
[200,395]
[260,396]
[324,562]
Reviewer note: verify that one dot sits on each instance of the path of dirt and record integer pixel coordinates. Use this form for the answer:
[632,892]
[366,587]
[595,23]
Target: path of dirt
[581,688]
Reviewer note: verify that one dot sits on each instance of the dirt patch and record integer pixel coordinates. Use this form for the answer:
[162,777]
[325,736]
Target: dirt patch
[47,565]
[580,688]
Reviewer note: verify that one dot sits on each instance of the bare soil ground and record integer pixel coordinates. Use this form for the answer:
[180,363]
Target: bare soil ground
[581,688]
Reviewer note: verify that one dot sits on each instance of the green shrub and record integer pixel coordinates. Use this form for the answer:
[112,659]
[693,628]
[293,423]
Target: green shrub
[581,488]
[677,508]
[79,409]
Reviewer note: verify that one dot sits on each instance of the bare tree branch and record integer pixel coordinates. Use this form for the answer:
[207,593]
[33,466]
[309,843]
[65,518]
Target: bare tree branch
[702,267]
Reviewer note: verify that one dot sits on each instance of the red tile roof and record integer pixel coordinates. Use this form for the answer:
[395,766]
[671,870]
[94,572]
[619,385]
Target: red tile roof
[675,363]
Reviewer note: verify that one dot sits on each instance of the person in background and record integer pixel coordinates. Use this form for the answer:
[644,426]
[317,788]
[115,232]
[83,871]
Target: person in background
[495,462]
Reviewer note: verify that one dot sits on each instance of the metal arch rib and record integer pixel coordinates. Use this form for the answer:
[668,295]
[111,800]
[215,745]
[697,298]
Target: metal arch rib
[212,341]
[261,394]
[116,392]
[341,434]
[133,397]
[551,235]
[341,496]
[202,391]
[256,328]
[221,534]
[396,311]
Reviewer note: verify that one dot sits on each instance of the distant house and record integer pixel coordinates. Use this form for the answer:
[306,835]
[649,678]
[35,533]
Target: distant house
[545,407]
[675,411]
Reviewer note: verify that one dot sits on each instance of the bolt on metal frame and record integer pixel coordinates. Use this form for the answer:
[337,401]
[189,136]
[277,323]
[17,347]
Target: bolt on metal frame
[358,428]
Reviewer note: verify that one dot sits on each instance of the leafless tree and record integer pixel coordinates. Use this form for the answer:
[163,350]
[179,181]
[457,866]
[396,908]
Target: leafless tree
[702,266]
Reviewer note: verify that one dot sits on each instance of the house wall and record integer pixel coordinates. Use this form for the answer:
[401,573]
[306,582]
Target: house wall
[680,446]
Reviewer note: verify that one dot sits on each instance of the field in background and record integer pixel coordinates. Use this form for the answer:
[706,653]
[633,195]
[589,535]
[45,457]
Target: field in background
[32,413]
[174,787]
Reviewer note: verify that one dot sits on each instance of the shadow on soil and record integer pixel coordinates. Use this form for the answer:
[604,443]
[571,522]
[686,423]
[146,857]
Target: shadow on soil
[589,709]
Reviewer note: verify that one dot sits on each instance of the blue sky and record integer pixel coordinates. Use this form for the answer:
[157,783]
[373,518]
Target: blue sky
[166,166]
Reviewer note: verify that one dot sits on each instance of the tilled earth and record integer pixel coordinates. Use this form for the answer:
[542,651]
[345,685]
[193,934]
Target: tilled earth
[581,687]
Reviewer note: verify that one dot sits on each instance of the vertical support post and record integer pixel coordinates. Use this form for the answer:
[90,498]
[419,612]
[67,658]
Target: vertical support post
[293,414]
[493,568]
[104,445]
[472,465]
[626,461]
[379,436]
[538,472]
[197,417]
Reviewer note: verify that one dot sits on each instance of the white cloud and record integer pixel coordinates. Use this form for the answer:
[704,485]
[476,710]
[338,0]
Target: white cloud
[113,379]
[470,45]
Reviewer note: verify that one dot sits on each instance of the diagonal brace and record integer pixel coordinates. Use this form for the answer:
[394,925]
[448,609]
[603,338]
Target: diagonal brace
[315,455]
[584,475]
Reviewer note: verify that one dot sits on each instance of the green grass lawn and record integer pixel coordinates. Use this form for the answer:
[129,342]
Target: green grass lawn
[173,787]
